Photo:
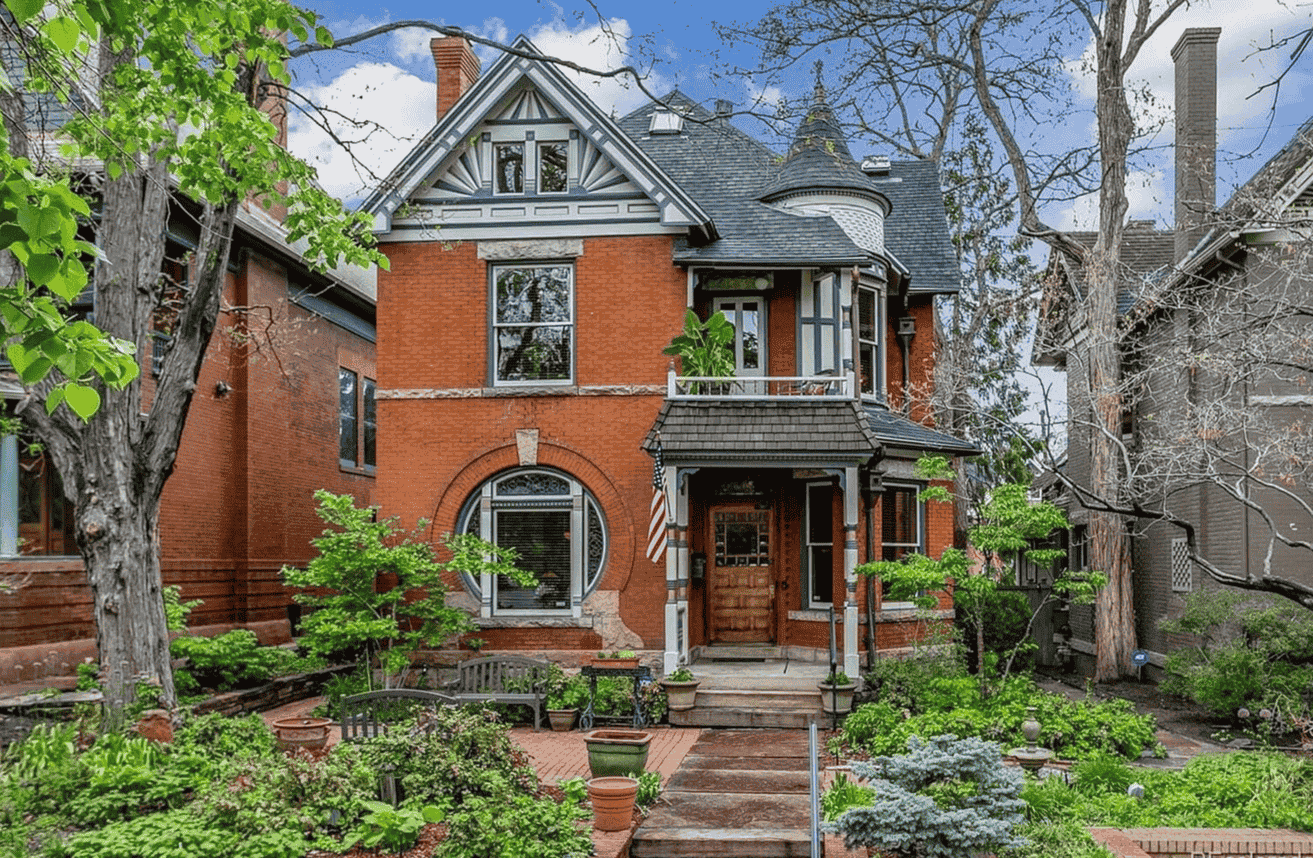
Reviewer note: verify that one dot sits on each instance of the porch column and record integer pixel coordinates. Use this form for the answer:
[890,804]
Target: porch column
[676,560]
[851,657]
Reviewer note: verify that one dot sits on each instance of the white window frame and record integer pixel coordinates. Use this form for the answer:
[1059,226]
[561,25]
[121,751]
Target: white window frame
[538,173]
[480,515]
[808,544]
[494,326]
[732,307]
[877,392]
[496,167]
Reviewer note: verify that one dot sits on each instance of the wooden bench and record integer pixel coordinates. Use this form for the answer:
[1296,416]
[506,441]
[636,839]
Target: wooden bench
[365,716]
[504,679]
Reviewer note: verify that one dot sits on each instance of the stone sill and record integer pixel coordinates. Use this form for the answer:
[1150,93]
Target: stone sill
[526,622]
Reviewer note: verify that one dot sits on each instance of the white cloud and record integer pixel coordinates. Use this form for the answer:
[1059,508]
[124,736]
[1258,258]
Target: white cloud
[394,107]
[600,47]
[1146,196]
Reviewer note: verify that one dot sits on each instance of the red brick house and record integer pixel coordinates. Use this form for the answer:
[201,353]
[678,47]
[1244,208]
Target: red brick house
[284,406]
[543,255]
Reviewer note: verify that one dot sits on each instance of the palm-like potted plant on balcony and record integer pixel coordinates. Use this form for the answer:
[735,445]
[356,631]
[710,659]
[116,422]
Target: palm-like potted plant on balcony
[705,349]
[681,689]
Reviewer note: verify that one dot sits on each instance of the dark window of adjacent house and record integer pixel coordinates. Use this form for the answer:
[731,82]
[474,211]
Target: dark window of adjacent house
[510,168]
[370,422]
[553,168]
[348,417]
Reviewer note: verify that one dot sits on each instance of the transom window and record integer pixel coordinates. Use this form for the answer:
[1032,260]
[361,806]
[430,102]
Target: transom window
[533,323]
[556,526]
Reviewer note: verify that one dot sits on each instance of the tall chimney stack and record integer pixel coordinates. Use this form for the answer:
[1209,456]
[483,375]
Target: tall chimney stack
[458,69]
[1195,56]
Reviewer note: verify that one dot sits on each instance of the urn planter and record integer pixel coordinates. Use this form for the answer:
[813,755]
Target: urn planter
[562,720]
[308,733]
[837,699]
[612,753]
[680,696]
[613,802]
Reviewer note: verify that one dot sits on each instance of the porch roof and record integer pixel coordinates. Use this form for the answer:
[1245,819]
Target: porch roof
[709,432]
[895,430]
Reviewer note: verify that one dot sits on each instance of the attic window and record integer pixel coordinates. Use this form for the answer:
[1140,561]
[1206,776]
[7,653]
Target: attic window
[666,122]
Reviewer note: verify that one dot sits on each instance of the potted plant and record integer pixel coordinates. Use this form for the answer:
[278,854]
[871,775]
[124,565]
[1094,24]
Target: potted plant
[617,752]
[302,732]
[681,689]
[625,658]
[705,349]
[837,693]
[566,695]
[613,802]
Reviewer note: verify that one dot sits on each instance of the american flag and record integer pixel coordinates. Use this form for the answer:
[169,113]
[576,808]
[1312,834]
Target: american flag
[656,527]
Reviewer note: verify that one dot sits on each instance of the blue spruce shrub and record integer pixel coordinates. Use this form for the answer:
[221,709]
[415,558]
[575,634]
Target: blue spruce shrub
[944,798]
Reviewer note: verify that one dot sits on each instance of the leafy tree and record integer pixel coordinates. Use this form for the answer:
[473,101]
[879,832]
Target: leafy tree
[1010,527]
[165,101]
[353,616]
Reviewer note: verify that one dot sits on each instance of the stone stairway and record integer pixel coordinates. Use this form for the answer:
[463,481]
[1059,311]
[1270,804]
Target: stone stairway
[737,793]
[754,687]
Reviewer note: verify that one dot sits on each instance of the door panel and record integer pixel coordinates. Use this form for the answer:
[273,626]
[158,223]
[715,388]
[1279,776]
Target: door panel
[742,588]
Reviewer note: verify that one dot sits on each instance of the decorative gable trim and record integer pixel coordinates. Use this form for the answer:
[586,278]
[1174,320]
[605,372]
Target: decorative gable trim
[608,158]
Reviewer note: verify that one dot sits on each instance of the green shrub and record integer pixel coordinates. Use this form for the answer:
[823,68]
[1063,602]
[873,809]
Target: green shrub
[952,705]
[522,826]
[462,753]
[224,737]
[179,834]
[231,660]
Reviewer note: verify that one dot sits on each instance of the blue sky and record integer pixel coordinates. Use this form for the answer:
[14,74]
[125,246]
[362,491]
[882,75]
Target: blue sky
[391,80]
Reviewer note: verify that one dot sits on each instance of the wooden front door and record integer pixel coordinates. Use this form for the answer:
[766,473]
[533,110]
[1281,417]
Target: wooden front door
[742,586]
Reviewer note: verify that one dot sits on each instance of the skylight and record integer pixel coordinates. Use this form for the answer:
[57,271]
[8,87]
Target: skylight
[665,122]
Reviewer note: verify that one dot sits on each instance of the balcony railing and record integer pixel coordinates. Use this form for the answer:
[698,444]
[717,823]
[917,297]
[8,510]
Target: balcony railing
[787,387]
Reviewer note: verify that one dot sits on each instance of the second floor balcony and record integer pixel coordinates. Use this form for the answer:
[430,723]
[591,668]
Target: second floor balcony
[824,386]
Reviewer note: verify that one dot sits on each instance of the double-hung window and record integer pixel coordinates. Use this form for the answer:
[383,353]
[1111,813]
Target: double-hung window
[870,354]
[533,324]
[902,526]
[356,422]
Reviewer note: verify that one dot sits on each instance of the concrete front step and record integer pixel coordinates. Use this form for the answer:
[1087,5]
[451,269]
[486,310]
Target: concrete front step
[744,652]
[739,708]
[726,698]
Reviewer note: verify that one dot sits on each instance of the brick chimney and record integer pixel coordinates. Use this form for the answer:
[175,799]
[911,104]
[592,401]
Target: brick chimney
[1195,56]
[458,69]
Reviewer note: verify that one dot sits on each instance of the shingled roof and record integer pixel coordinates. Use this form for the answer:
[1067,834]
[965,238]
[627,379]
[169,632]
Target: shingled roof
[729,173]
[895,430]
[718,431]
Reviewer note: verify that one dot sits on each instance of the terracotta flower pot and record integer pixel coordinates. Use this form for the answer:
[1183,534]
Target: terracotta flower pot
[618,663]
[613,802]
[680,696]
[308,733]
[617,752]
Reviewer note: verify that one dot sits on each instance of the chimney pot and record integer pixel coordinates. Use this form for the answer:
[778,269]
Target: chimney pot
[458,68]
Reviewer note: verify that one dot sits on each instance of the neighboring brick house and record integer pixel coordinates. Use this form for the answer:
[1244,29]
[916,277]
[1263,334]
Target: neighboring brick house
[1181,289]
[542,256]
[283,407]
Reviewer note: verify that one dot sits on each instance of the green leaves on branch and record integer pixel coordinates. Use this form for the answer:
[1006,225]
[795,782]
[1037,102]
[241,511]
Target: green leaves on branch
[705,348]
[353,616]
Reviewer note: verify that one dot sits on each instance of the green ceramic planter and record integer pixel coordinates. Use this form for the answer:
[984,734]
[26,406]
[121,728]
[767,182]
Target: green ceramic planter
[617,753]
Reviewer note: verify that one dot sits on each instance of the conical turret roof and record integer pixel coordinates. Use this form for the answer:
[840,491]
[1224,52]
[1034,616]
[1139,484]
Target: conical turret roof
[819,158]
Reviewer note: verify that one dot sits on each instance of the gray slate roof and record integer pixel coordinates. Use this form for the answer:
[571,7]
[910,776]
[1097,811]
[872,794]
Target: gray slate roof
[728,172]
[783,432]
[894,430]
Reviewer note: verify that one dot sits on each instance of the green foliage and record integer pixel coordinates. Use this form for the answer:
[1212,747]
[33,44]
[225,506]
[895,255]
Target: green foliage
[461,753]
[649,789]
[942,799]
[225,737]
[394,829]
[1250,654]
[231,660]
[575,790]
[1055,839]
[1236,790]
[88,673]
[566,691]
[176,610]
[843,795]
[350,617]
[1073,729]
[681,674]
[652,698]
[179,834]
[520,826]
[705,349]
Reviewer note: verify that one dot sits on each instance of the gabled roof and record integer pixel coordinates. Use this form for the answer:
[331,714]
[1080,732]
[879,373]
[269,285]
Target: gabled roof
[917,231]
[508,72]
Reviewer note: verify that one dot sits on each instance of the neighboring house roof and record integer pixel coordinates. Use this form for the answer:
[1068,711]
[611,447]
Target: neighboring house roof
[781,432]
[508,72]
[894,430]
